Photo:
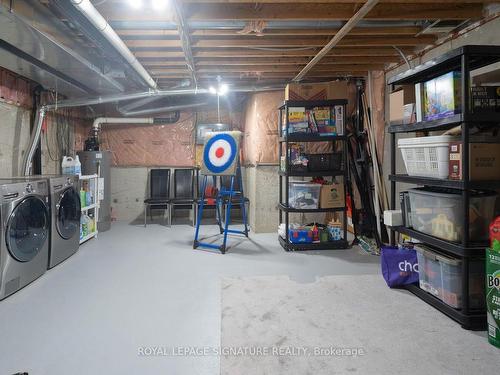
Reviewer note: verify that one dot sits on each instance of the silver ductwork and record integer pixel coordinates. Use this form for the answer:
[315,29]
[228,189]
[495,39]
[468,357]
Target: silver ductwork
[95,18]
[161,109]
[31,52]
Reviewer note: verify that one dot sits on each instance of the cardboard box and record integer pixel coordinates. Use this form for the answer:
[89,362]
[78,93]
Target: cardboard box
[306,91]
[485,99]
[397,100]
[316,91]
[484,161]
[337,90]
[332,196]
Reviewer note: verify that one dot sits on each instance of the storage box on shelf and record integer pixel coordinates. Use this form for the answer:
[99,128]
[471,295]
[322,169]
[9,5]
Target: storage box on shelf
[311,121]
[437,211]
[303,195]
[441,276]
[456,103]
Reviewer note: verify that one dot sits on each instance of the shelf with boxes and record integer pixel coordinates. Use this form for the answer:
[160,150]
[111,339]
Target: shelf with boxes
[302,124]
[458,170]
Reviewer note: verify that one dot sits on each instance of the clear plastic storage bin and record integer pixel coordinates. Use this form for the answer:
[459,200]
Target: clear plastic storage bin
[303,195]
[438,212]
[441,276]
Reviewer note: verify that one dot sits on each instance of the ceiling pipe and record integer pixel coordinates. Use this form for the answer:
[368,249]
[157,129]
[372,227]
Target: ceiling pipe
[353,21]
[96,125]
[163,109]
[87,9]
[141,102]
[183,31]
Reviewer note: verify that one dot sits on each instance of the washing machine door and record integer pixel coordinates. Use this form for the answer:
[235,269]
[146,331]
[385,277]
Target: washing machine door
[27,229]
[68,214]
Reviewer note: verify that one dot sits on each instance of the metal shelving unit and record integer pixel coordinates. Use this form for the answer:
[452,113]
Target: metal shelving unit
[463,59]
[284,176]
[93,181]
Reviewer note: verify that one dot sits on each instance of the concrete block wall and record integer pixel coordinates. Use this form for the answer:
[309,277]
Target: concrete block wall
[14,139]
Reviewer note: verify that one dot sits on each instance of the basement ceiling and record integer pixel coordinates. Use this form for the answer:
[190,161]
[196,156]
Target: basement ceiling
[270,41]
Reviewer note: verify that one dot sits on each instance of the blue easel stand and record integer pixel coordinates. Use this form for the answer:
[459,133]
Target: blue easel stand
[223,197]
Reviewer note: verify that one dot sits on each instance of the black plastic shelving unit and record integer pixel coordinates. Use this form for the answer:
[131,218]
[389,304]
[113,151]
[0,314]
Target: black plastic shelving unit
[284,176]
[463,59]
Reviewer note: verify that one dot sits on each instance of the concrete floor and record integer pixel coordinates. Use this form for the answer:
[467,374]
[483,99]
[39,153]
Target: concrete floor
[139,287]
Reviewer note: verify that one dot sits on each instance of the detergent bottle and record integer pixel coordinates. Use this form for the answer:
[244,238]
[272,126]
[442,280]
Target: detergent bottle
[67,165]
[77,166]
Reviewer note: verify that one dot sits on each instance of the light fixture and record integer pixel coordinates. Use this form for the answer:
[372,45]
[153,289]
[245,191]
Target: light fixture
[223,89]
[136,4]
[159,4]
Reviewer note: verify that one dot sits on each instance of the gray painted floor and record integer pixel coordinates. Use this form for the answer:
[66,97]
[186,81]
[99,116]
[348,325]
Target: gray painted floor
[137,287]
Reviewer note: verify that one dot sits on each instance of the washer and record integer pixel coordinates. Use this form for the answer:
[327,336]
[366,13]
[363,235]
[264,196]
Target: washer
[24,233]
[65,218]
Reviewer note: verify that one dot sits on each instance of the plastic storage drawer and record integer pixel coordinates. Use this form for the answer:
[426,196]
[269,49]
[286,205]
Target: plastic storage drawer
[426,156]
[304,195]
[441,276]
[438,212]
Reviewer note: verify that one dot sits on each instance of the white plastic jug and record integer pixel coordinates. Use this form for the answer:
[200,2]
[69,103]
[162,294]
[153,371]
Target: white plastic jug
[67,165]
[77,166]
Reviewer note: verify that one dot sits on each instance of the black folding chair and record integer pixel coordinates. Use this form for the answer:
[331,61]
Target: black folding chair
[184,192]
[159,192]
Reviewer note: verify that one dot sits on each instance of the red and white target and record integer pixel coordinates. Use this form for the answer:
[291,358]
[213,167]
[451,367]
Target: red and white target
[220,153]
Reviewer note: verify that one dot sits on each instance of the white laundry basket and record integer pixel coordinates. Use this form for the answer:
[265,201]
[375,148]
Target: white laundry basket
[426,156]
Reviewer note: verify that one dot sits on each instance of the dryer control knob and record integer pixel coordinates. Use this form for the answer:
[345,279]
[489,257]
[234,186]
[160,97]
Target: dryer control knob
[29,188]
[68,181]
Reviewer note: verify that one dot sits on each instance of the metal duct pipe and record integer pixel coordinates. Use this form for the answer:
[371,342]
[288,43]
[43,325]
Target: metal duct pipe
[162,109]
[87,9]
[96,125]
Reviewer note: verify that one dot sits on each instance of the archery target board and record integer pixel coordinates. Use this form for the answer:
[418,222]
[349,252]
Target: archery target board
[221,153]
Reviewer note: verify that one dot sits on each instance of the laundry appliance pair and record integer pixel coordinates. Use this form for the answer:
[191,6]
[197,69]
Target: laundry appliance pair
[39,227]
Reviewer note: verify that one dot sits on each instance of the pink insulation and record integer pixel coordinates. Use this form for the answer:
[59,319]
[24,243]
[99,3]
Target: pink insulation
[151,145]
[260,144]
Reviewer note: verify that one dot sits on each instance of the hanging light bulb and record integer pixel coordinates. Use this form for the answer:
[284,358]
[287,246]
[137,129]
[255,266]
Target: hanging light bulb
[223,89]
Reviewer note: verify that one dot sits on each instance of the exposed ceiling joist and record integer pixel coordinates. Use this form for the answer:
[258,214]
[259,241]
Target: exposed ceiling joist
[341,51]
[328,11]
[214,61]
[368,31]
[240,42]
[337,39]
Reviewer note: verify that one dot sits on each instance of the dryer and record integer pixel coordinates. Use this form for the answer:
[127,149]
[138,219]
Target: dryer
[65,218]
[24,232]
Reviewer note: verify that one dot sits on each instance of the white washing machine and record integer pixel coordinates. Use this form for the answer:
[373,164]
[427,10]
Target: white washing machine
[24,232]
[65,218]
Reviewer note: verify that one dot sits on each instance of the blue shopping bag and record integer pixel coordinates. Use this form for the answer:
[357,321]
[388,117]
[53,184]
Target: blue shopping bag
[399,266]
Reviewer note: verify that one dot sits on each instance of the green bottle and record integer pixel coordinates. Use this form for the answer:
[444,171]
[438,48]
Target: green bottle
[82,198]
[493,284]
